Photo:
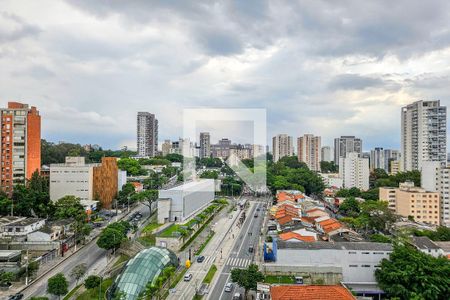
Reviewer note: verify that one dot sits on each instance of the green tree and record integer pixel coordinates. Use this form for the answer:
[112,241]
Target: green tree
[78,272]
[39,298]
[132,167]
[5,204]
[148,198]
[328,167]
[380,238]
[6,278]
[92,281]
[210,174]
[350,207]
[57,285]
[174,157]
[247,278]
[411,274]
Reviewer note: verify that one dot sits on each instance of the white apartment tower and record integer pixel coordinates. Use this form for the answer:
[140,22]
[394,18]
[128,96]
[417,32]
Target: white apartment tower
[354,170]
[423,134]
[282,146]
[435,178]
[147,134]
[205,144]
[377,160]
[309,151]
[327,153]
[344,145]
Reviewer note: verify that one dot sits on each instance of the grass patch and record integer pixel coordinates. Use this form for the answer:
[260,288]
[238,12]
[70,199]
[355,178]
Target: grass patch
[279,279]
[178,278]
[148,240]
[202,247]
[150,227]
[122,258]
[197,297]
[73,291]
[92,294]
[209,276]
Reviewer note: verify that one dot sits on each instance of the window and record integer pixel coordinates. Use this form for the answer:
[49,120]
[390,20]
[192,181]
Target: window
[352,252]
[353,266]
[366,253]
[365,266]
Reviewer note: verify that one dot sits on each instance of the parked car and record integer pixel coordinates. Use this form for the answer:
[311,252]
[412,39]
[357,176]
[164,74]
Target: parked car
[256,215]
[200,259]
[237,296]
[228,287]
[188,277]
[17,296]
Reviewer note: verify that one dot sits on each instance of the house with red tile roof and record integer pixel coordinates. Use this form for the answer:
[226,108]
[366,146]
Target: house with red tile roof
[310,292]
[296,237]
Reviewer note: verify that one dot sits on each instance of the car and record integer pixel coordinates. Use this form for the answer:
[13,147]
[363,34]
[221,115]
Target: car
[256,215]
[258,209]
[228,287]
[237,296]
[200,259]
[250,249]
[17,296]
[188,277]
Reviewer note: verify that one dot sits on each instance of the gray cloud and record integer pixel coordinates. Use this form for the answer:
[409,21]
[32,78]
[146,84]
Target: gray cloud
[324,67]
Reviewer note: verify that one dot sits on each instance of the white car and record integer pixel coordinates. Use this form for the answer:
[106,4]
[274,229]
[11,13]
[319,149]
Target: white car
[188,277]
[228,287]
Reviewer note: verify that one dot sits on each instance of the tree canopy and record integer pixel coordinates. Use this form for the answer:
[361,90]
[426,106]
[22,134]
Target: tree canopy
[57,285]
[132,166]
[411,274]
[328,167]
[247,278]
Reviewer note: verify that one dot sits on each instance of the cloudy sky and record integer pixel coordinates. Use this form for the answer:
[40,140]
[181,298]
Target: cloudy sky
[324,67]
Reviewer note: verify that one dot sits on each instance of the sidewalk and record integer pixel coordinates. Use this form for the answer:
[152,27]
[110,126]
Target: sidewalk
[46,268]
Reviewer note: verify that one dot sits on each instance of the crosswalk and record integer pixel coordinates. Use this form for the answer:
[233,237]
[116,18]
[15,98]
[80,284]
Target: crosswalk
[238,262]
[209,259]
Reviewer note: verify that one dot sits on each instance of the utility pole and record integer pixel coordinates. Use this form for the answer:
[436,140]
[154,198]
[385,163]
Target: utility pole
[26,268]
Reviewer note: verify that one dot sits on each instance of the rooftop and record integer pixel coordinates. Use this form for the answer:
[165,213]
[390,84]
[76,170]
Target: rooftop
[312,292]
[424,243]
[25,222]
[293,235]
[361,246]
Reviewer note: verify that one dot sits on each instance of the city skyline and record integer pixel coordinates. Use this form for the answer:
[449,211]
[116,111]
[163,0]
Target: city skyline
[89,87]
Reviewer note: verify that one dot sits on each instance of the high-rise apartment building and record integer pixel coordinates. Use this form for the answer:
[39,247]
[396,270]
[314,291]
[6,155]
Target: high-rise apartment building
[354,170]
[377,160]
[147,134]
[390,156]
[435,178]
[205,144]
[166,147]
[282,146]
[327,153]
[20,144]
[423,134]
[344,145]
[309,151]
[408,200]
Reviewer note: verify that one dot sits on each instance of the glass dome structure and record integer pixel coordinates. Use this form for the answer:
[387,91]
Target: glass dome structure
[145,267]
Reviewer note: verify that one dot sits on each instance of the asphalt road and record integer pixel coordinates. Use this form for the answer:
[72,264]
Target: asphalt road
[240,257]
[94,257]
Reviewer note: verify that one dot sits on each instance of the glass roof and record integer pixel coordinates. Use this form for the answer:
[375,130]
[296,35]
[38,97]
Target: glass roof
[143,268]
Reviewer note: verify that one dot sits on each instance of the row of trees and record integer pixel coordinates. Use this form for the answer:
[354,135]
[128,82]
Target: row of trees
[113,235]
[56,153]
[289,173]
[369,216]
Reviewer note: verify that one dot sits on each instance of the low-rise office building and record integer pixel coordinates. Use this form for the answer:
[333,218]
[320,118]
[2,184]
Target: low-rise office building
[86,181]
[184,201]
[408,200]
[352,263]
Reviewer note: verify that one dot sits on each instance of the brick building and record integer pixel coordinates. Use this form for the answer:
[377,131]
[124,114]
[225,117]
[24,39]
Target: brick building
[20,144]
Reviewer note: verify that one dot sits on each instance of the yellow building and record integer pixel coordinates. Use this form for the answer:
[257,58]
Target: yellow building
[408,200]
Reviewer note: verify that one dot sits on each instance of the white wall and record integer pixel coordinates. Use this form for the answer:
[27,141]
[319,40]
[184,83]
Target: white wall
[351,261]
[71,180]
